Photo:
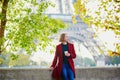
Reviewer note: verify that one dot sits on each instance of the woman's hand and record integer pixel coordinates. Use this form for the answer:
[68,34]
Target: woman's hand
[51,68]
[67,54]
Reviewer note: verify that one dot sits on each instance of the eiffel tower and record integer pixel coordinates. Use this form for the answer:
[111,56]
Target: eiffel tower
[79,32]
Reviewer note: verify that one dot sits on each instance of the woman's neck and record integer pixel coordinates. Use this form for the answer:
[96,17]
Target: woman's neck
[64,42]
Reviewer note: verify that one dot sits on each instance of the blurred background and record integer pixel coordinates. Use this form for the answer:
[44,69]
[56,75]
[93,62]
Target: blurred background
[95,44]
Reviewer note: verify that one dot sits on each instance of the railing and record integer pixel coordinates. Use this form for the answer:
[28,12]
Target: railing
[65,17]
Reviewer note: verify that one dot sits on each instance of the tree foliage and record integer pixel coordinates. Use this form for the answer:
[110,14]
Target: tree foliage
[27,26]
[22,60]
[106,16]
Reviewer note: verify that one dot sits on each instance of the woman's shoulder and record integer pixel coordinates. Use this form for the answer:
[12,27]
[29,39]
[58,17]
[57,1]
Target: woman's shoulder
[59,44]
[70,43]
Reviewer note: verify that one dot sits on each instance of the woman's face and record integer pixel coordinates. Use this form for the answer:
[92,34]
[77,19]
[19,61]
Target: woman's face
[66,38]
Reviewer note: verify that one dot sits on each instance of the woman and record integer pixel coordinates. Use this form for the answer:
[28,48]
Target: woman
[63,65]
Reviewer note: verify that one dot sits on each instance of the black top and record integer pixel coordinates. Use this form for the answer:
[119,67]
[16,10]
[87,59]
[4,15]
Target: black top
[65,48]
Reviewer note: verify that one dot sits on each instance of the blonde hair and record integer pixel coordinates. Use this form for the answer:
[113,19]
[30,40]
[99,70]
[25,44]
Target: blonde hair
[62,37]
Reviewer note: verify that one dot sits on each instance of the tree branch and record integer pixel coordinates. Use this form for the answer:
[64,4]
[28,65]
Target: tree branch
[116,53]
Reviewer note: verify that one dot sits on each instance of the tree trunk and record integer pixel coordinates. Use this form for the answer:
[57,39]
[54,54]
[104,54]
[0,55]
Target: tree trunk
[3,22]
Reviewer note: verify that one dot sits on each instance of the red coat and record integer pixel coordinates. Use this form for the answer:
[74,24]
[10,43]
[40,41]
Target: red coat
[57,61]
